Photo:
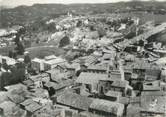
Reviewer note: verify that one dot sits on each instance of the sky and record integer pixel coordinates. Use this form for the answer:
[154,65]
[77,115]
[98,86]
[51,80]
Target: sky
[31,2]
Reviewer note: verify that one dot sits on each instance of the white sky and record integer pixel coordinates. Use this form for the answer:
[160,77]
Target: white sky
[31,2]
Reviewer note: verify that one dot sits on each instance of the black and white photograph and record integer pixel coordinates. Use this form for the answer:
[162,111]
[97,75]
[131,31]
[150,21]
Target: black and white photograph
[82,58]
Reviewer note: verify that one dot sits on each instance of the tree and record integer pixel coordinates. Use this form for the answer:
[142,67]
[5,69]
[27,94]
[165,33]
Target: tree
[5,66]
[51,27]
[10,54]
[101,32]
[27,59]
[16,75]
[6,78]
[17,38]
[79,23]
[64,41]
[19,48]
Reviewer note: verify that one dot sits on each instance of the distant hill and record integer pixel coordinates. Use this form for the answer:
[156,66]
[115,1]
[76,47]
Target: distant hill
[4,7]
[30,14]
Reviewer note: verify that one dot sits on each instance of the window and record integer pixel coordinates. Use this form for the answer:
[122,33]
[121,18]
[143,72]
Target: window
[150,84]
[88,87]
[101,90]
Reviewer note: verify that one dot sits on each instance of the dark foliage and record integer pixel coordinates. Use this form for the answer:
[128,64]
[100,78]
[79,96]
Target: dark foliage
[16,75]
[20,48]
[27,59]
[12,54]
[64,41]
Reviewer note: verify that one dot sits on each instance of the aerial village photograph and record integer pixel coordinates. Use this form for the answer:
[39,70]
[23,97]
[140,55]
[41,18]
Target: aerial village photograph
[82,58]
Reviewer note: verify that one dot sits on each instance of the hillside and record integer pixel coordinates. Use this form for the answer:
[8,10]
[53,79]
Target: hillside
[26,15]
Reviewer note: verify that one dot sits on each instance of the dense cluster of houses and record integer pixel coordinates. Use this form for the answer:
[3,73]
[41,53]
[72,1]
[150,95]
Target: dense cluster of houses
[105,80]
[7,36]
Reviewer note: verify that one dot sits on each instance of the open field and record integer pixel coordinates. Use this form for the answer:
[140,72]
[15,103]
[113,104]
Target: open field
[42,51]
